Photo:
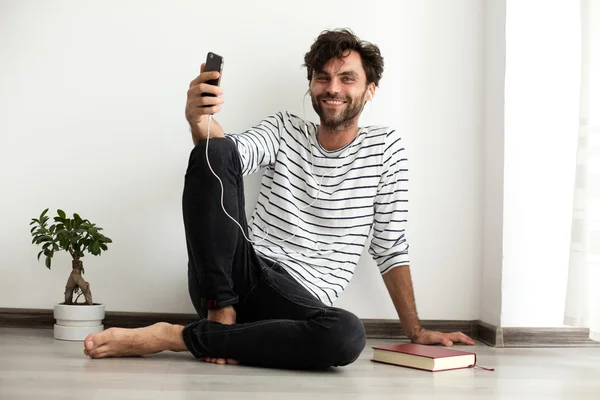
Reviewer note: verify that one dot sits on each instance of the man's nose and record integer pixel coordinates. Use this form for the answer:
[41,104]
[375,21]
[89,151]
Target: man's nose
[334,86]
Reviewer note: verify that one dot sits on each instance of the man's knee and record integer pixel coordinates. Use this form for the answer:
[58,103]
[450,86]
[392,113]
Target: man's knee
[345,340]
[222,154]
[220,146]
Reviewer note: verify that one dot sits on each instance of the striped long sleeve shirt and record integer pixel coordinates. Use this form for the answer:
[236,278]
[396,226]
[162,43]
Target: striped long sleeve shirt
[317,208]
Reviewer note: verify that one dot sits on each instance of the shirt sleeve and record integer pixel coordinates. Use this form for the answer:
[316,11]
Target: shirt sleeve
[258,146]
[389,246]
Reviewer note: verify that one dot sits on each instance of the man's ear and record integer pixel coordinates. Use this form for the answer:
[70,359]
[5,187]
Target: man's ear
[371,88]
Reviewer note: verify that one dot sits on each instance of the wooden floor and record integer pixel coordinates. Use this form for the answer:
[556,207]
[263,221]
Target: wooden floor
[35,366]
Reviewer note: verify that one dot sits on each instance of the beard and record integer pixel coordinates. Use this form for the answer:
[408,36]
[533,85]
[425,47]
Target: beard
[338,119]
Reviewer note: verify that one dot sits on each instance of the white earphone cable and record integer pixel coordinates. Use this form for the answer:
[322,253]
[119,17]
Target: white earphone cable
[223,190]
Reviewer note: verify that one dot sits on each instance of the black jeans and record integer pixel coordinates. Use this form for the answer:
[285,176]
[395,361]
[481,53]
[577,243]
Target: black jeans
[279,323]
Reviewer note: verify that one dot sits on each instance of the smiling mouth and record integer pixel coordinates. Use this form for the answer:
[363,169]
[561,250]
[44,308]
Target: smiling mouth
[334,102]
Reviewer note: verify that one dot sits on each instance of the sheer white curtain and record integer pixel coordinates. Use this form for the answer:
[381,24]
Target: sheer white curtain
[583,290]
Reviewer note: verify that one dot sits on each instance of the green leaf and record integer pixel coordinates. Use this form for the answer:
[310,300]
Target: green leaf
[44,238]
[39,254]
[44,213]
[64,242]
[33,229]
[48,262]
[61,214]
[82,270]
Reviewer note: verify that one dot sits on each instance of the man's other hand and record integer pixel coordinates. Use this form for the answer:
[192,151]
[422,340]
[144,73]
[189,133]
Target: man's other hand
[446,339]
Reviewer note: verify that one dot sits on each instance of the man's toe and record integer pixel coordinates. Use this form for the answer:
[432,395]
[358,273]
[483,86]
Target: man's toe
[89,343]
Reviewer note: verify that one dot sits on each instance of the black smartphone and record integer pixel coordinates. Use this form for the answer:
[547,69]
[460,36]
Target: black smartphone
[214,62]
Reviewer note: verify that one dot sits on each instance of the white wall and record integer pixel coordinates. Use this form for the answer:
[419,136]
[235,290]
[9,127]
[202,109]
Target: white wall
[540,132]
[92,121]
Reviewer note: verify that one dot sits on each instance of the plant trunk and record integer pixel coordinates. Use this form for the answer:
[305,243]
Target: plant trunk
[76,280]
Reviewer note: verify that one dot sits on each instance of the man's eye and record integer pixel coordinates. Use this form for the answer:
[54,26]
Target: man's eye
[322,78]
[348,79]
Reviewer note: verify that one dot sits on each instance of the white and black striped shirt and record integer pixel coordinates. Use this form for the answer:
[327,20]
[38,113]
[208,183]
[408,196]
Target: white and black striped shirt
[317,235]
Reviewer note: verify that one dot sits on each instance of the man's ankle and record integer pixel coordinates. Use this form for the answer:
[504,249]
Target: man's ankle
[176,343]
[227,312]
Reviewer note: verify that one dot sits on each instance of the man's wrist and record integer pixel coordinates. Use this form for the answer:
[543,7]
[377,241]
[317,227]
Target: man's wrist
[196,135]
[415,332]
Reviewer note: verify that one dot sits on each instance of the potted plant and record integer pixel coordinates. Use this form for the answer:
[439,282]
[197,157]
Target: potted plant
[74,321]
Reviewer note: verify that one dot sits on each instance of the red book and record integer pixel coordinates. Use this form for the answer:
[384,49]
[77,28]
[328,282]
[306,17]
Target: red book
[429,358]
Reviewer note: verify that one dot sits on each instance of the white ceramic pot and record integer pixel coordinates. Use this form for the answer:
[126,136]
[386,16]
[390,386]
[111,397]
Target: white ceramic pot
[76,322]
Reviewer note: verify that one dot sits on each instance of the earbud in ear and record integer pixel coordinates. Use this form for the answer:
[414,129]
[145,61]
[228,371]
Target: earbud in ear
[306,126]
[370,95]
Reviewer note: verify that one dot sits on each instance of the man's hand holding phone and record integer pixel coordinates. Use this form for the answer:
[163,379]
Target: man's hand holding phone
[198,103]
[204,98]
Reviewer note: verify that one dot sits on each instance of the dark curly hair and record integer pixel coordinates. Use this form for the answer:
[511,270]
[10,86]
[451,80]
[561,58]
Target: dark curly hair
[338,43]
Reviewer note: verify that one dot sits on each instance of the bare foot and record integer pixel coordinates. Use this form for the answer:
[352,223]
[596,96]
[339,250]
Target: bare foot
[226,316]
[120,342]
